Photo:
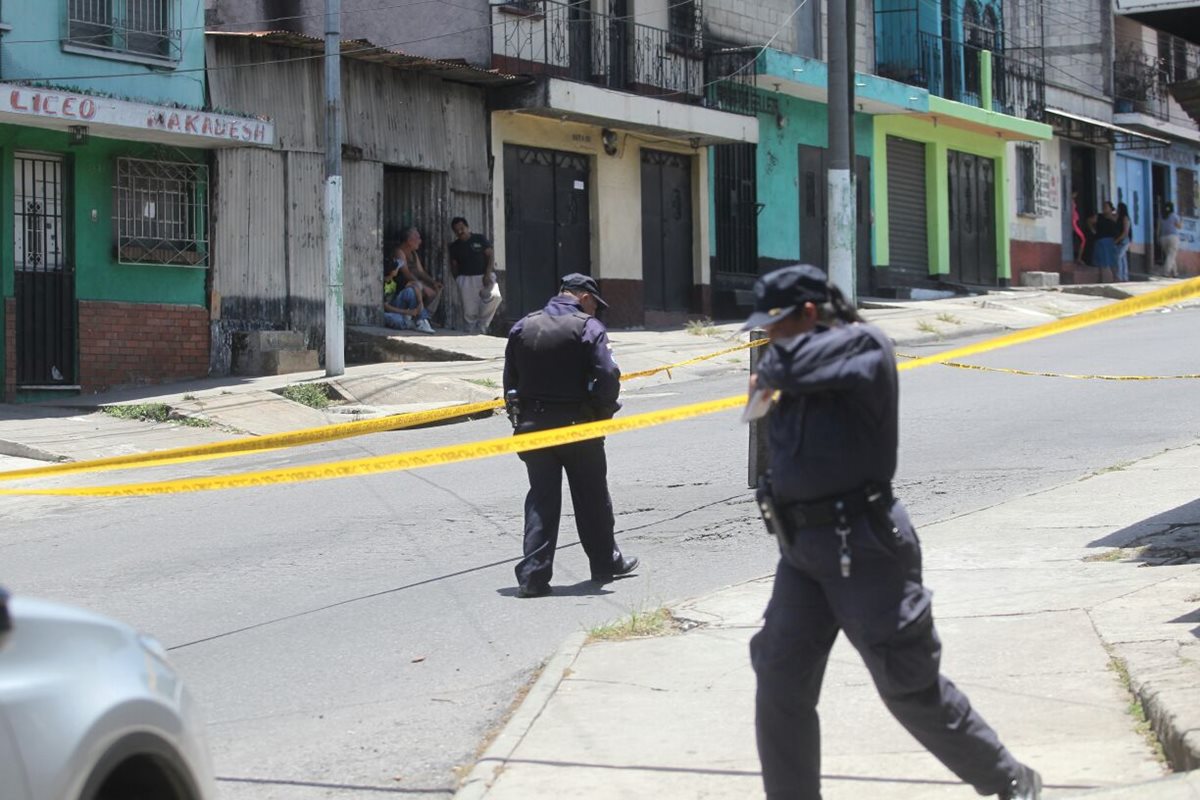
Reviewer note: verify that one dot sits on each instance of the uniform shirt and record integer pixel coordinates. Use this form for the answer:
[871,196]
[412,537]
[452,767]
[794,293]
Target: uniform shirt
[599,381]
[835,428]
[470,255]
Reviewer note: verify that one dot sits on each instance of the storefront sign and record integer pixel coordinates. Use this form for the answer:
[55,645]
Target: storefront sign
[78,109]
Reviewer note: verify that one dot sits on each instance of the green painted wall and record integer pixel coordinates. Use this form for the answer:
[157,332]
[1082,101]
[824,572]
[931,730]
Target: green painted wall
[89,186]
[938,140]
[806,123]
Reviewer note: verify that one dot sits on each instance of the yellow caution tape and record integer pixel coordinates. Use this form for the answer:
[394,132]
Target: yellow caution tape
[306,436]
[418,458]
[456,453]
[1134,305]
[1011,371]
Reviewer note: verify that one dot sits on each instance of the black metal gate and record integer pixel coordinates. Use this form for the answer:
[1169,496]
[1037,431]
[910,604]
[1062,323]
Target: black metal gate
[546,222]
[908,233]
[972,218]
[814,213]
[735,181]
[667,274]
[44,276]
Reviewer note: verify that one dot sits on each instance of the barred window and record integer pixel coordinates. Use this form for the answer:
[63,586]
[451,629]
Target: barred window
[144,29]
[1185,191]
[160,212]
[1026,180]
[684,27]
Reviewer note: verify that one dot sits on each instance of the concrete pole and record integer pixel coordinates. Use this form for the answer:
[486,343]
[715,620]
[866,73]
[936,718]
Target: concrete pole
[335,310]
[841,205]
[757,462]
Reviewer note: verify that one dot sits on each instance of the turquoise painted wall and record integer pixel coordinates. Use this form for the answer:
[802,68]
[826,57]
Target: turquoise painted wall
[32,52]
[89,185]
[806,123]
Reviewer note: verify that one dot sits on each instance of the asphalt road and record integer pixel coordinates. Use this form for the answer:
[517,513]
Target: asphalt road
[357,637]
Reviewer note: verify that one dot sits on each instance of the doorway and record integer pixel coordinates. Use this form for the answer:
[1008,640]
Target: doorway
[814,213]
[972,188]
[44,275]
[546,223]
[667,274]
[1160,189]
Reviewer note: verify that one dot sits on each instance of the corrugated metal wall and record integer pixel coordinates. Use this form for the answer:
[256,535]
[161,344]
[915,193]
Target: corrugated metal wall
[249,239]
[424,145]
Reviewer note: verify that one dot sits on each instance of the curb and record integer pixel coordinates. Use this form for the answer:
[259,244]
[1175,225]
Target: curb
[1170,700]
[490,765]
[18,450]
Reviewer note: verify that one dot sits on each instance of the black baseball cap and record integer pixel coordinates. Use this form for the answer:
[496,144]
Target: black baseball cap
[578,282]
[781,292]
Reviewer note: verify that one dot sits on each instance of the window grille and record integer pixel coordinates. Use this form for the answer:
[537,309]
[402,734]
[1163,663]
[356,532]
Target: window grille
[1185,192]
[146,29]
[161,212]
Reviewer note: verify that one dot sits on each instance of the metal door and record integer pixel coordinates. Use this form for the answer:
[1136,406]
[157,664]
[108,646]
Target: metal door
[580,31]
[1132,182]
[814,193]
[618,44]
[862,229]
[44,276]
[735,183]
[972,218]
[667,272]
[908,232]
[546,222]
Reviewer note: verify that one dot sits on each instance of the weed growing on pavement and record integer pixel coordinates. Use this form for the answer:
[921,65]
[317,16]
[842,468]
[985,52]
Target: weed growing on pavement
[949,319]
[1135,709]
[1120,465]
[142,412]
[313,395]
[152,412]
[701,327]
[1111,555]
[925,326]
[486,383]
[638,624]
[190,397]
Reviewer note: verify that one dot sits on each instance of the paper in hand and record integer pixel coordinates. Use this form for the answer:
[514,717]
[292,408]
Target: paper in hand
[758,404]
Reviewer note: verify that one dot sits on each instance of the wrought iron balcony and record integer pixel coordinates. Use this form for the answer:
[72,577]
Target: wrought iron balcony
[1142,80]
[956,71]
[569,40]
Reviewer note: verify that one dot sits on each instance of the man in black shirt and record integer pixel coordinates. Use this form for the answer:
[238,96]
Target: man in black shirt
[850,560]
[471,264]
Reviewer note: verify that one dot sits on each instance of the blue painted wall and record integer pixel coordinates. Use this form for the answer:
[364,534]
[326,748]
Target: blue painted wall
[32,51]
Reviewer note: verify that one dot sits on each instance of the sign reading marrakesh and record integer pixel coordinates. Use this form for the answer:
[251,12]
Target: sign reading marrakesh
[81,109]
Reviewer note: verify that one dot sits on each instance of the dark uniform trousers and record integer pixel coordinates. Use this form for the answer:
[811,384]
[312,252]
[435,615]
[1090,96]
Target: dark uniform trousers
[587,475]
[886,613]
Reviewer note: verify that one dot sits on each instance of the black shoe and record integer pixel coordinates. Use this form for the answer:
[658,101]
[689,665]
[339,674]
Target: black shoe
[1027,785]
[622,567]
[533,590]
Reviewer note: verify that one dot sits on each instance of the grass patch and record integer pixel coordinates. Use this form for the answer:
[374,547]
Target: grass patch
[701,327]
[925,326]
[1119,466]
[1111,555]
[152,412]
[1141,723]
[190,397]
[486,383]
[313,395]
[949,319]
[639,624]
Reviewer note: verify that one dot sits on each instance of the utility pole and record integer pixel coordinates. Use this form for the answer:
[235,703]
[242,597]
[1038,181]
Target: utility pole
[841,221]
[335,310]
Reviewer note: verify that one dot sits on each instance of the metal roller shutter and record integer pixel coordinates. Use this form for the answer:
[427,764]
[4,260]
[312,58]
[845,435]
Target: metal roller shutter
[907,226]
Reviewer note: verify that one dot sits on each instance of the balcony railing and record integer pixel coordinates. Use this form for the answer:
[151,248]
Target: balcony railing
[1141,80]
[956,71]
[563,40]
[143,30]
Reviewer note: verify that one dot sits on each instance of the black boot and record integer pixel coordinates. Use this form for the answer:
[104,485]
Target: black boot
[1027,785]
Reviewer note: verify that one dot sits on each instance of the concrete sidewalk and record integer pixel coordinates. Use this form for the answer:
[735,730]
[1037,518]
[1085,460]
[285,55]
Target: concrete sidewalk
[463,369]
[1052,607]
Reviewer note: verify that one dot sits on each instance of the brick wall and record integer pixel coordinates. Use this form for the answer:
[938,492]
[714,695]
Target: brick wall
[140,343]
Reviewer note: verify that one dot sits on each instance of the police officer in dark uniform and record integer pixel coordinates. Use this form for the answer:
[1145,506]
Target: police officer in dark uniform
[558,371]
[850,559]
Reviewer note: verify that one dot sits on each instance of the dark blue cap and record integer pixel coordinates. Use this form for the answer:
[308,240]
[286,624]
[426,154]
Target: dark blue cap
[781,292]
[578,282]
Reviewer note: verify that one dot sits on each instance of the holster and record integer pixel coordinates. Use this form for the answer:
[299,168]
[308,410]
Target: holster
[770,511]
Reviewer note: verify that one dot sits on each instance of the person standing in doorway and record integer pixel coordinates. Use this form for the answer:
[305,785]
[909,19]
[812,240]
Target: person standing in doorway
[1123,240]
[472,263]
[559,371]
[850,559]
[1171,226]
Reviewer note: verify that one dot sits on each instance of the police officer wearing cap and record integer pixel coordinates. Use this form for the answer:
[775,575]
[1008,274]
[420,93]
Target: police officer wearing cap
[558,371]
[850,560]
